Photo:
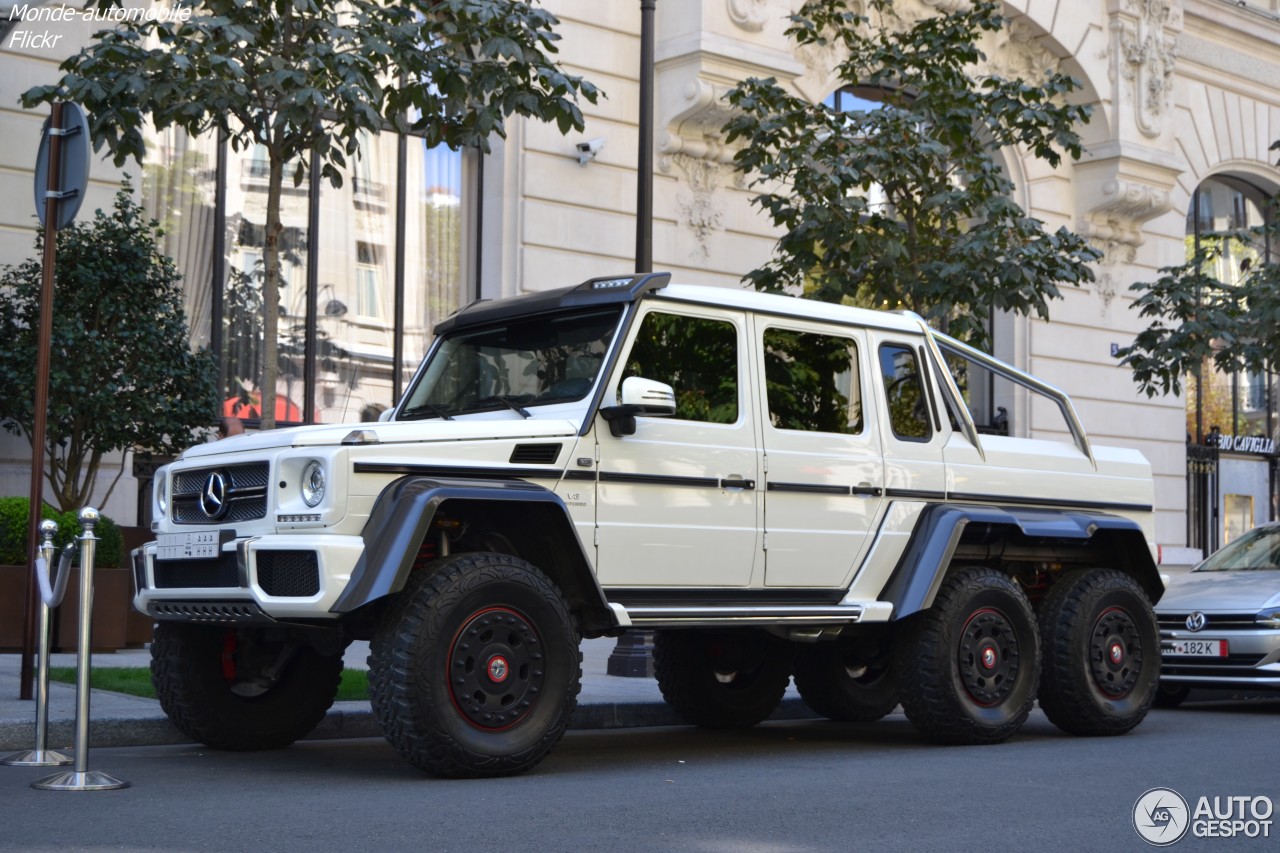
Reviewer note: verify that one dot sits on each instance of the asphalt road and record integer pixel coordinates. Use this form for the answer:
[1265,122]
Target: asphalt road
[789,786]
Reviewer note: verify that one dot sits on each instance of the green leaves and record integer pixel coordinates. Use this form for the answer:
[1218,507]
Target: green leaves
[902,204]
[122,373]
[1199,320]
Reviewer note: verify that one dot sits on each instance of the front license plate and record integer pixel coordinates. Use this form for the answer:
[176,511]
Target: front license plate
[1194,648]
[204,545]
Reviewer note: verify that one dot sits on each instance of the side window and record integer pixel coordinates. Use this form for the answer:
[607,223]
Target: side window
[905,394]
[696,357]
[812,382]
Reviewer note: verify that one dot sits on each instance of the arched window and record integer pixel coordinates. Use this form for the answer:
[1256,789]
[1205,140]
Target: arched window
[1226,215]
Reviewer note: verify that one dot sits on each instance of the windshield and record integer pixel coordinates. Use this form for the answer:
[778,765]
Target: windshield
[528,362]
[1257,549]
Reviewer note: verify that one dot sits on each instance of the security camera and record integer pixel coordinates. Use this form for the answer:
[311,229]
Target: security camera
[588,149]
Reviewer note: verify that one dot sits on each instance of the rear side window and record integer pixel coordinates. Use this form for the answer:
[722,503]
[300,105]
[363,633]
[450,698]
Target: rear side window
[905,394]
[812,382]
[697,357]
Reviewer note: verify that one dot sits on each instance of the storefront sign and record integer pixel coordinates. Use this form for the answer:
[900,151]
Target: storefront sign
[1244,443]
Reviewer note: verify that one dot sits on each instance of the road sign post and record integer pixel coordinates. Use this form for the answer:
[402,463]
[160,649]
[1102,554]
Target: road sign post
[62,173]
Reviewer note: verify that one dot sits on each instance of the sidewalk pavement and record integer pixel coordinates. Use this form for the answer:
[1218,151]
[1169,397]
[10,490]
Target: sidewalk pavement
[606,702]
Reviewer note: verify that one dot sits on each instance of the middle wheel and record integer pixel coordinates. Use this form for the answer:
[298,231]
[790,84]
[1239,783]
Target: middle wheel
[969,665]
[721,679]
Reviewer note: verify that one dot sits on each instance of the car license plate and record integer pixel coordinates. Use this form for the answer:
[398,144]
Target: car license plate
[1194,648]
[188,546]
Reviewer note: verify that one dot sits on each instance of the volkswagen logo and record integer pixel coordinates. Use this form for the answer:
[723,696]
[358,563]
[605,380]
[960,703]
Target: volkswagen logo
[213,497]
[1196,621]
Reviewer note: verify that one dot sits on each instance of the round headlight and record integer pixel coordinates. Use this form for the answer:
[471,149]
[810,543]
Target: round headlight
[313,484]
[162,502]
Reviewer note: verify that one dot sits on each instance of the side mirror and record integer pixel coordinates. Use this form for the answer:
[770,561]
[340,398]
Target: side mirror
[386,414]
[639,397]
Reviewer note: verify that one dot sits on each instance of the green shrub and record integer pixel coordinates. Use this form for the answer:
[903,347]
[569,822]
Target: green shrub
[14,513]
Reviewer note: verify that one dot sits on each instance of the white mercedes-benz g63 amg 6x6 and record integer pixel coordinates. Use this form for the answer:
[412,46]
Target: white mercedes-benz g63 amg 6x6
[778,487]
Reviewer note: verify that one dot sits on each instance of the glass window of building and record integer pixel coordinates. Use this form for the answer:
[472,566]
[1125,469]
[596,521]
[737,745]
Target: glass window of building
[367,269]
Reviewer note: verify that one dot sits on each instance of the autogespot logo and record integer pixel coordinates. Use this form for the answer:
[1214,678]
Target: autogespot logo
[1160,816]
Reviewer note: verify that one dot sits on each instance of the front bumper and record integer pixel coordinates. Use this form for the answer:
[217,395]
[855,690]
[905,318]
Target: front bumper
[1251,661]
[254,579]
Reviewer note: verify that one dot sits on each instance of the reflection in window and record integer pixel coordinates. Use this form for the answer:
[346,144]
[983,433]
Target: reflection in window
[698,358]
[341,365]
[1225,217]
[527,362]
[905,393]
[812,382]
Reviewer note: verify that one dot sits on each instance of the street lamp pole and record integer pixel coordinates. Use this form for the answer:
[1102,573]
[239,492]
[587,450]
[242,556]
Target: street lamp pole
[633,655]
[644,168]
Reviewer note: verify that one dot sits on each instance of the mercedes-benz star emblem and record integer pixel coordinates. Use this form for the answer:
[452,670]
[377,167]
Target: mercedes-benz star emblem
[213,497]
[1196,621]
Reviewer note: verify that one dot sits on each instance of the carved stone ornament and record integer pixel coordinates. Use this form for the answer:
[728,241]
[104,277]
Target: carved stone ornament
[1114,224]
[695,129]
[1144,52]
[749,15]
[1016,52]
[698,212]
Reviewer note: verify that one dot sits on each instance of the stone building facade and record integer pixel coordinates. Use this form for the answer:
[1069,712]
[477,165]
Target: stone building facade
[1186,97]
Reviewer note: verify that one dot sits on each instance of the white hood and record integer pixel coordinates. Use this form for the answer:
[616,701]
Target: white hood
[389,432]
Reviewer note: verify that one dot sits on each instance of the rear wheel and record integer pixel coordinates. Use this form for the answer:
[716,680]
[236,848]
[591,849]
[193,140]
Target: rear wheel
[846,680]
[968,666]
[1101,653]
[724,679]
[475,669]
[241,688]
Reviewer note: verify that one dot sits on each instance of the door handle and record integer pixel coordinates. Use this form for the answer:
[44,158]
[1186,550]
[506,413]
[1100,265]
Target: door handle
[736,481]
[866,489]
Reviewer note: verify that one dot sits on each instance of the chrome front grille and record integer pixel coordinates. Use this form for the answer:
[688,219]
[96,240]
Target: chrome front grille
[231,493]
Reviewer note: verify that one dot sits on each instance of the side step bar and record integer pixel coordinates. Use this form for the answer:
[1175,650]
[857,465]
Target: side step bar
[658,616]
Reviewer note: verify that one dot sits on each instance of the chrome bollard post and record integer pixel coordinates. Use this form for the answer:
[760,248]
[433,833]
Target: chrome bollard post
[82,779]
[42,756]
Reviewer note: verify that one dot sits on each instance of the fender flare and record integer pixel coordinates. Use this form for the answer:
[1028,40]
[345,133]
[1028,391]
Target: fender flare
[402,518]
[919,573]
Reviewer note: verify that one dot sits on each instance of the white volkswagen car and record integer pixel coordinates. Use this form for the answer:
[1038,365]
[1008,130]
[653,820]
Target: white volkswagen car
[1220,623]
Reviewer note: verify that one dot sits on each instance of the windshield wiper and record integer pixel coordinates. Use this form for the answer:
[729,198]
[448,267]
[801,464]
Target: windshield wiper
[426,408]
[508,401]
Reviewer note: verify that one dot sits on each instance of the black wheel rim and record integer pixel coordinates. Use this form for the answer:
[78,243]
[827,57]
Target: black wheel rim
[496,668]
[988,657]
[1115,652]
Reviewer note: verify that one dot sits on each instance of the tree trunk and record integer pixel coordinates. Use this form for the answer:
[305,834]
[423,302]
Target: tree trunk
[271,292]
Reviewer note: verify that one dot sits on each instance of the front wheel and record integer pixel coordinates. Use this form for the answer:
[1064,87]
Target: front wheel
[968,666]
[474,670]
[1101,653]
[241,688]
[1170,695]
[721,679]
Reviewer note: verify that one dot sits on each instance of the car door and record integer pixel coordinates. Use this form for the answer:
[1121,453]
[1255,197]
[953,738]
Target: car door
[824,474]
[677,501]
[913,433]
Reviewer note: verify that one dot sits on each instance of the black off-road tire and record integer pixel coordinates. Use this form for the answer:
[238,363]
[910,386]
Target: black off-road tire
[1101,653]
[475,668]
[721,679]
[849,682]
[194,670]
[1170,696]
[968,666]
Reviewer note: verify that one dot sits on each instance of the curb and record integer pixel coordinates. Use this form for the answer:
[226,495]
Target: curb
[344,720]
